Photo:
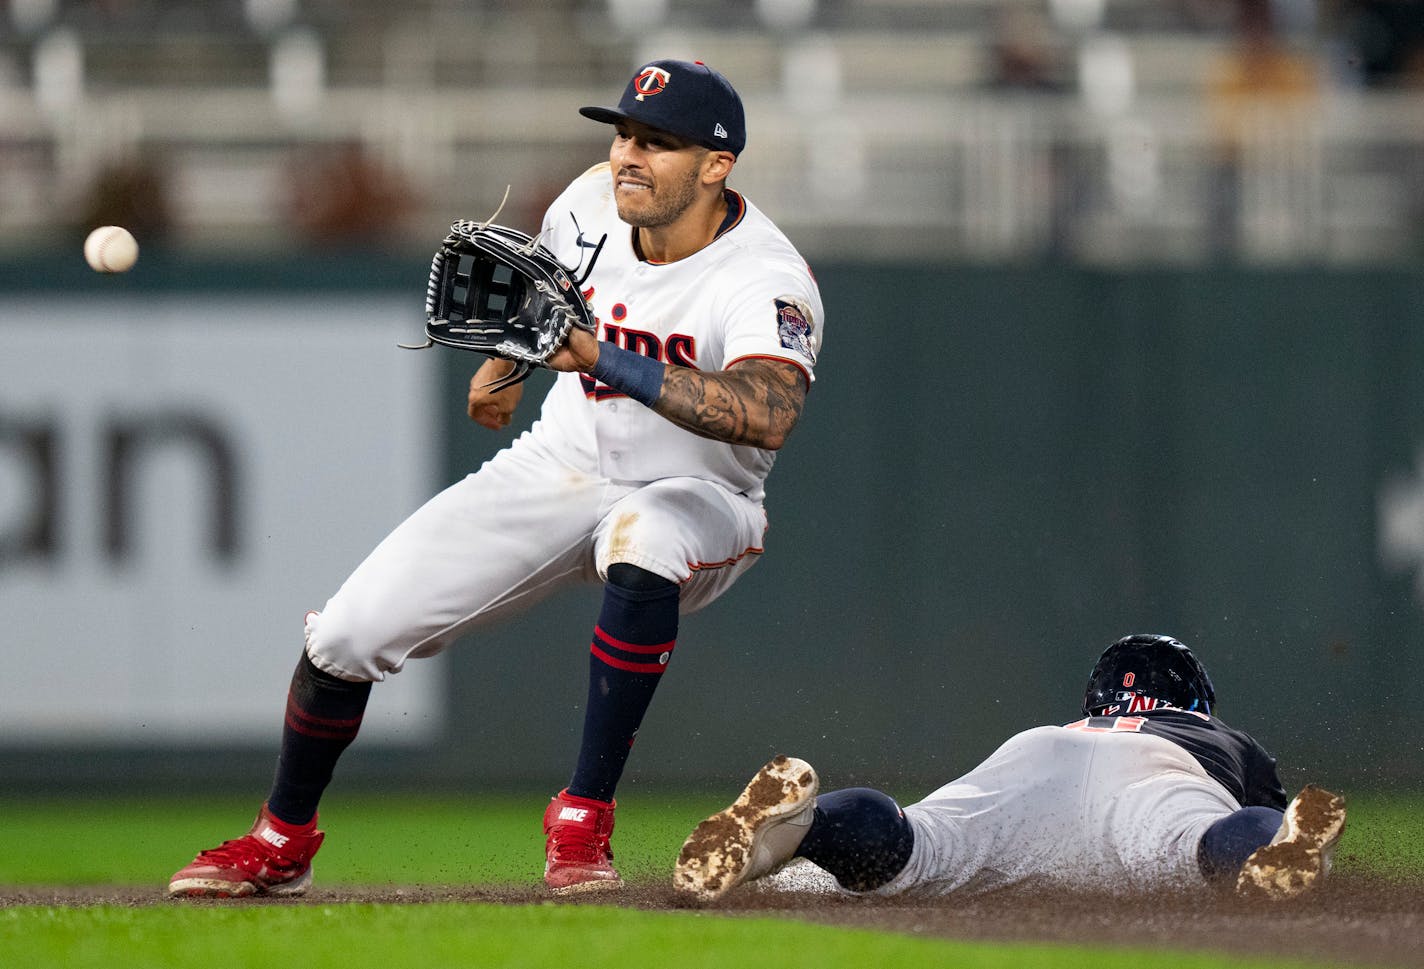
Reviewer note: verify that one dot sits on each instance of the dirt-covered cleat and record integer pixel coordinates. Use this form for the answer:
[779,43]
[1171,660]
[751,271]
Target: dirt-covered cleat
[1299,856]
[274,858]
[578,853]
[753,837]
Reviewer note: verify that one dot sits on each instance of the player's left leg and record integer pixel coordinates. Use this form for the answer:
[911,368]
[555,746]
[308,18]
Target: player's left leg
[667,548]
[632,644]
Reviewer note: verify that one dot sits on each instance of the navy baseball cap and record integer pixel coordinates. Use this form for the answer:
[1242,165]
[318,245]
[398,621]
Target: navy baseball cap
[684,98]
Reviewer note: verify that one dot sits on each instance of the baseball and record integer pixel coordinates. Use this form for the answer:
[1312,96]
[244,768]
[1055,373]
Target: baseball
[110,249]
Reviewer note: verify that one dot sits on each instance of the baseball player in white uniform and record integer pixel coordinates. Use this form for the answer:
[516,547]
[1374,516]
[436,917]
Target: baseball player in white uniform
[1148,791]
[645,472]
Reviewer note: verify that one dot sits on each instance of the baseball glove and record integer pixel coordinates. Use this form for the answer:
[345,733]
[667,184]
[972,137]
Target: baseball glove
[497,291]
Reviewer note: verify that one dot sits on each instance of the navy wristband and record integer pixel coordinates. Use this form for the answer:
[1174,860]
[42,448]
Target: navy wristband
[640,377]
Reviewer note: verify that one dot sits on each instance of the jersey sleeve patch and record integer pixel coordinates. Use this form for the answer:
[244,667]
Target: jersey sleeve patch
[795,328]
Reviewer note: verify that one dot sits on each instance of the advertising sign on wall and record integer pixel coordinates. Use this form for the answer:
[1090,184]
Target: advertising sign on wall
[177,488]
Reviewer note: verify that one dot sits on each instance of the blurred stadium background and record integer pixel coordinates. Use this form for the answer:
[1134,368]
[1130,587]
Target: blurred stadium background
[1126,317]
[1100,130]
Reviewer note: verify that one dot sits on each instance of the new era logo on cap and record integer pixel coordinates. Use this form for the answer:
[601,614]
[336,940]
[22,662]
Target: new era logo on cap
[684,98]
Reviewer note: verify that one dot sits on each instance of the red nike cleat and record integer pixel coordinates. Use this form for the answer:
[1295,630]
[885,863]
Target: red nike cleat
[576,842]
[274,858]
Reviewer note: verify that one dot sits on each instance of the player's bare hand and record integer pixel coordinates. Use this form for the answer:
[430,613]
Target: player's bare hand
[494,411]
[579,352]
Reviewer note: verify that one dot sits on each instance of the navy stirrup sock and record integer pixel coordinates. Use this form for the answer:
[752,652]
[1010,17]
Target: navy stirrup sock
[859,835]
[323,715]
[1230,840]
[632,644]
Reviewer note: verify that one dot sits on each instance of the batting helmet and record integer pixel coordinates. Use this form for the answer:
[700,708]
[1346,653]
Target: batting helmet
[1145,672]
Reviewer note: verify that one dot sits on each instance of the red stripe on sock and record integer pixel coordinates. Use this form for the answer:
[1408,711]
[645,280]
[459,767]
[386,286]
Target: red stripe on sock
[304,723]
[617,643]
[320,734]
[622,664]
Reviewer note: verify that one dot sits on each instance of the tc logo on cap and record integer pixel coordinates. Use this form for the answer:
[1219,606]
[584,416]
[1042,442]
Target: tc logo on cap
[651,81]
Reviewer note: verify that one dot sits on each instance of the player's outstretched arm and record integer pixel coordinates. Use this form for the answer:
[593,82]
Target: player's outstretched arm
[492,410]
[756,402]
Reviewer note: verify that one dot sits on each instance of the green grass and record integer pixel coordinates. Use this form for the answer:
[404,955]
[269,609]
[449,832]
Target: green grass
[450,840]
[447,935]
[370,840]
[1383,836]
[477,841]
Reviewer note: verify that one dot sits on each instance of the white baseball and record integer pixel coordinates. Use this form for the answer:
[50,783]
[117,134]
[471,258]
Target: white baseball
[110,249]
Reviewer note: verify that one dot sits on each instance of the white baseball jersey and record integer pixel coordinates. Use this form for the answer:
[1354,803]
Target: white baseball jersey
[599,478]
[748,294]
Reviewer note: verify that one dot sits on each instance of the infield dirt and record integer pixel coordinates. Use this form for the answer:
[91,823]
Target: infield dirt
[1353,919]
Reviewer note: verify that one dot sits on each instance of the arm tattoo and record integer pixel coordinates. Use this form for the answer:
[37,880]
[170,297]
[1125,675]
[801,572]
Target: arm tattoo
[756,403]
